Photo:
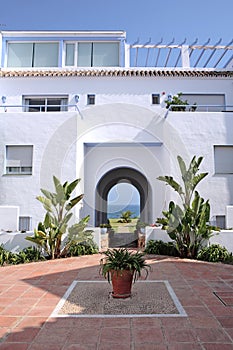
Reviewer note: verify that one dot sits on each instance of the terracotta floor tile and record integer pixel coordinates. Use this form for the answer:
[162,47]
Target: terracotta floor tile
[211,346]
[204,322]
[83,336]
[150,335]
[80,347]
[146,322]
[55,337]
[36,288]
[113,346]
[116,322]
[25,335]
[185,346]
[180,335]
[212,335]
[14,346]
[8,321]
[115,335]
[35,346]
[149,346]
[226,322]
[177,322]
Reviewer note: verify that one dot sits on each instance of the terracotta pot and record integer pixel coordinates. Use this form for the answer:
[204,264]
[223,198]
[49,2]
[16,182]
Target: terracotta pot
[121,283]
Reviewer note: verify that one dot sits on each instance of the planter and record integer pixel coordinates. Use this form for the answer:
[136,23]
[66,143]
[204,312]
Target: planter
[121,283]
[103,230]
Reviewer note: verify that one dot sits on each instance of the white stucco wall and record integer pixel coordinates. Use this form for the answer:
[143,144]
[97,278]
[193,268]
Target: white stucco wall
[130,90]
[53,154]
[9,218]
[128,126]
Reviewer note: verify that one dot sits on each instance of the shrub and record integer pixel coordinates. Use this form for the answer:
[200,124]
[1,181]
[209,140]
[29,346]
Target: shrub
[161,248]
[187,224]
[50,232]
[215,253]
[26,255]
[84,248]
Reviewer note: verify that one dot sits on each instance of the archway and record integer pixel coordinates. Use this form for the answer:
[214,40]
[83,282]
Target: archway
[113,177]
[123,197]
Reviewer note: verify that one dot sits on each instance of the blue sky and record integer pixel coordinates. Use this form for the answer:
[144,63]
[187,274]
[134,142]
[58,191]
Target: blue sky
[146,19]
[123,193]
[141,19]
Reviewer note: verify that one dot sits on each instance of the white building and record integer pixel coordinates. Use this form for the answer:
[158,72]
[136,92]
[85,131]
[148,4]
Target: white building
[89,105]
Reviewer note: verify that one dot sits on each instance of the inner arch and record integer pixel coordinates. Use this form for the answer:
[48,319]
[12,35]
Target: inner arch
[110,179]
[123,197]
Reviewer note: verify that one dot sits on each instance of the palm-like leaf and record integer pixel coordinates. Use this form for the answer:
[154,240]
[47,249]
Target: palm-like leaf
[188,225]
[171,182]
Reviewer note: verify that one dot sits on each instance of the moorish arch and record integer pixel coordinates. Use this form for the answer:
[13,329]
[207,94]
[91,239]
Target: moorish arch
[110,179]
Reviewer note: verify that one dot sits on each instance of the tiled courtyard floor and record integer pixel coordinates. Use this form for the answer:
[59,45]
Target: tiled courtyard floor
[30,292]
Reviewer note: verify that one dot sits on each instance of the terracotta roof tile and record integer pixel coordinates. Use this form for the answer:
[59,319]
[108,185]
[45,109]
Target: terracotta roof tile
[116,72]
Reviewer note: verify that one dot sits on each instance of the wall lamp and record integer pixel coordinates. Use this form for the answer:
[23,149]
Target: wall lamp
[76,98]
[3,99]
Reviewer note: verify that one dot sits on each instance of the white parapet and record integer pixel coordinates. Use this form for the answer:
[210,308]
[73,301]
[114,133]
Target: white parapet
[229,216]
[157,234]
[9,218]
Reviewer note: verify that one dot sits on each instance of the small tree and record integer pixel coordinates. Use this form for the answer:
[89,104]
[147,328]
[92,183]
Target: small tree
[126,216]
[188,224]
[176,100]
[58,205]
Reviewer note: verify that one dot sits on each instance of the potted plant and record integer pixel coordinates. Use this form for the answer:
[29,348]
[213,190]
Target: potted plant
[122,268]
[176,100]
[141,226]
[104,228]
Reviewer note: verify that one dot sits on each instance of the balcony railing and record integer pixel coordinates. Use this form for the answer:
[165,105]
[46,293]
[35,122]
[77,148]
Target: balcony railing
[40,108]
[74,107]
[199,108]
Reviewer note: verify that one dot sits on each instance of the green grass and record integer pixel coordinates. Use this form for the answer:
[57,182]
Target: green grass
[119,227]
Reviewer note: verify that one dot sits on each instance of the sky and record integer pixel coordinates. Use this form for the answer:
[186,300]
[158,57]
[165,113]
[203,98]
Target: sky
[123,194]
[142,20]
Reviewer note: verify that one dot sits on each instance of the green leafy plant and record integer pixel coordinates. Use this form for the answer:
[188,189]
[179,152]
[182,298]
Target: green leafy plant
[58,205]
[126,216]
[188,224]
[141,224]
[122,259]
[161,248]
[84,248]
[215,253]
[5,256]
[176,100]
[24,256]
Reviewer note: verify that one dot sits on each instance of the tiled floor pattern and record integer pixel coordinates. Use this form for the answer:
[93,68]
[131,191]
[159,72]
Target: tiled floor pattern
[93,299]
[29,293]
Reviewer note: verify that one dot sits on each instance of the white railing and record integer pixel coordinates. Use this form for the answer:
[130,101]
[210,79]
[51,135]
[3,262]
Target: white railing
[39,108]
[199,108]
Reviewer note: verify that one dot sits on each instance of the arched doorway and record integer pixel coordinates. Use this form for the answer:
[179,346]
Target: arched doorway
[113,177]
[123,197]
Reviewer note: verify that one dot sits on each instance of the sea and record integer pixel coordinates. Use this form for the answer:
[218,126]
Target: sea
[115,210]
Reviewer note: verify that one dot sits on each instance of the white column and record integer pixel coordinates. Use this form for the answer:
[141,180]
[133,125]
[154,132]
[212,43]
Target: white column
[185,56]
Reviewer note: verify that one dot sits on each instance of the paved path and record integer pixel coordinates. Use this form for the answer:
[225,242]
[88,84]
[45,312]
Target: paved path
[123,239]
[30,292]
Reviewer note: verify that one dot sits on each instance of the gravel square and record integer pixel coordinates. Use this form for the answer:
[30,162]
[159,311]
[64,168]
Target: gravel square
[93,299]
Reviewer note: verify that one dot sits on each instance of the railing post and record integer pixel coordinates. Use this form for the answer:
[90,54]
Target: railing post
[185,56]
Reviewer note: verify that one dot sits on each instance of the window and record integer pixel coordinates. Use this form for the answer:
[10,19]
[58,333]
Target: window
[211,100]
[90,99]
[221,221]
[25,223]
[32,54]
[45,103]
[223,159]
[155,99]
[19,160]
[89,54]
